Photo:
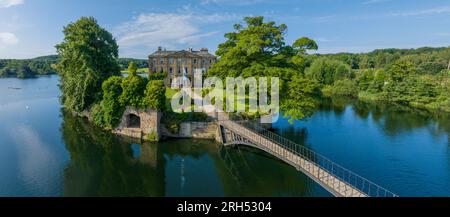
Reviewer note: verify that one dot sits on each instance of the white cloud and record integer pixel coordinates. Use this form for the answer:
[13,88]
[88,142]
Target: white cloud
[148,31]
[432,11]
[10,3]
[8,38]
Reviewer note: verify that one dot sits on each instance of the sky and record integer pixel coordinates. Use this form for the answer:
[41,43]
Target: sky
[31,28]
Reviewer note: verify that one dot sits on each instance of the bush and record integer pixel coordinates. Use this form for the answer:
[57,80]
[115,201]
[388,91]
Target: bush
[155,95]
[327,71]
[345,87]
[109,111]
[157,76]
[153,136]
[133,88]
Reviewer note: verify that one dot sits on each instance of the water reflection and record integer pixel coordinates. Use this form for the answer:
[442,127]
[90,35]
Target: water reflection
[105,165]
[403,149]
[393,119]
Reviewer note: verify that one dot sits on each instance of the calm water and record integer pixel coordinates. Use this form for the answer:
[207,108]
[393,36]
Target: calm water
[46,152]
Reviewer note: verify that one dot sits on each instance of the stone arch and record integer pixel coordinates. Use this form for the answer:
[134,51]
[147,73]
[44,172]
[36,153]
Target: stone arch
[133,121]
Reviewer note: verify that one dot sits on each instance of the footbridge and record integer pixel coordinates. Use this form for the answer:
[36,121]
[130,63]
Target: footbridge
[334,178]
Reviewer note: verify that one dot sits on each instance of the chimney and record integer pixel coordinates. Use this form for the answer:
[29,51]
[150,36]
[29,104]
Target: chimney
[159,48]
[190,49]
[204,49]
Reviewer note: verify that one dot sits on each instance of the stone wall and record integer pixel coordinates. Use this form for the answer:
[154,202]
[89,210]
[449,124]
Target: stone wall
[149,123]
[199,130]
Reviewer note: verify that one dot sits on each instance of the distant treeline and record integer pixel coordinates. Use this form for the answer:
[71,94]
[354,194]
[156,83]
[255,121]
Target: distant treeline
[411,77]
[124,62]
[427,60]
[30,68]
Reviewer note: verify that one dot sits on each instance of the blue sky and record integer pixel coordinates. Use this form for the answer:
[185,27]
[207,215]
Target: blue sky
[30,28]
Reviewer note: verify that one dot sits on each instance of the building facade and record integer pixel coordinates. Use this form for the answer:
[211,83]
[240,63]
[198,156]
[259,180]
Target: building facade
[180,63]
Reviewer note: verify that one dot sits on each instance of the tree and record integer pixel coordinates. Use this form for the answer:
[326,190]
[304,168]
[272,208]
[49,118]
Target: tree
[132,68]
[88,56]
[345,87]
[303,44]
[300,47]
[257,42]
[133,88]
[379,81]
[400,82]
[109,112]
[365,79]
[327,71]
[301,98]
[155,97]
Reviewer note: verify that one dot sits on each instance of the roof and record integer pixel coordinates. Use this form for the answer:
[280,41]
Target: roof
[182,53]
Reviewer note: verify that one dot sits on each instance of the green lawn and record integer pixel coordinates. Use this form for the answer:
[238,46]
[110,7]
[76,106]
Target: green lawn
[140,71]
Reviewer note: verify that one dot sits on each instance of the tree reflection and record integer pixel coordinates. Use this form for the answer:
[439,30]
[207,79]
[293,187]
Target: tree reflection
[103,165]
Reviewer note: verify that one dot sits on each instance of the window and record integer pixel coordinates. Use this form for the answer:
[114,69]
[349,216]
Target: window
[161,70]
[210,61]
[195,61]
[170,70]
[161,61]
[170,60]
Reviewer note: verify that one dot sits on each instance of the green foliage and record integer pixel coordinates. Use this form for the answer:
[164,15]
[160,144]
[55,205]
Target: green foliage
[125,62]
[119,92]
[427,60]
[88,56]
[301,98]
[424,90]
[155,97]
[28,68]
[157,76]
[345,87]
[258,49]
[365,78]
[109,111]
[379,81]
[132,69]
[326,71]
[133,88]
[400,82]
[152,136]
[304,44]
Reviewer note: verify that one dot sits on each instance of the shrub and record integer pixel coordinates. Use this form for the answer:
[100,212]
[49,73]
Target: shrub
[153,136]
[155,95]
[345,87]
[133,88]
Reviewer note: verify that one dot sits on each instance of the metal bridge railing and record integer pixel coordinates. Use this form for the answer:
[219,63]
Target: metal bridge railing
[342,174]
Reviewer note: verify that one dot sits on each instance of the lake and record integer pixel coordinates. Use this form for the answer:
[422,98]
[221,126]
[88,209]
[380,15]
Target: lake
[47,152]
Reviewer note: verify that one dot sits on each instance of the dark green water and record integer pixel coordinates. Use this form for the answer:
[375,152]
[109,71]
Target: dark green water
[45,152]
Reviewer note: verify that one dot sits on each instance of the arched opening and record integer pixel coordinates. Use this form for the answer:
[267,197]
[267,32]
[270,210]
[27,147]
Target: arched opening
[133,121]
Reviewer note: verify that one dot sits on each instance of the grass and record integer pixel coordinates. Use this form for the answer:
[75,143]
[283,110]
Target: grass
[139,71]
